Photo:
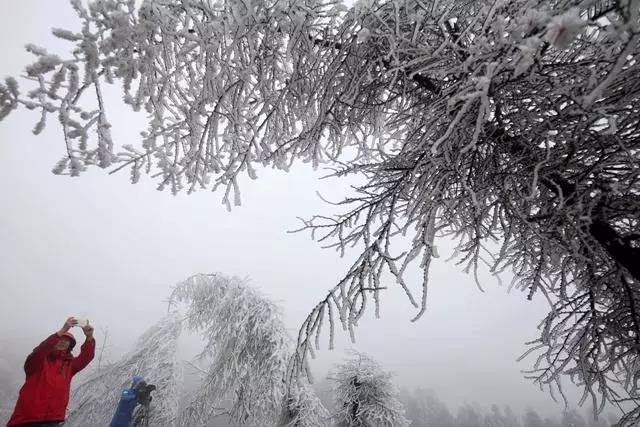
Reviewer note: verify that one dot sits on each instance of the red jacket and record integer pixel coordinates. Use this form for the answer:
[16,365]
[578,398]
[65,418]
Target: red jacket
[45,393]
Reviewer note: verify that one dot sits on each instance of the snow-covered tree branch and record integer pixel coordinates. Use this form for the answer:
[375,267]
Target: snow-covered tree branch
[497,123]
[247,350]
[246,354]
[153,356]
[302,408]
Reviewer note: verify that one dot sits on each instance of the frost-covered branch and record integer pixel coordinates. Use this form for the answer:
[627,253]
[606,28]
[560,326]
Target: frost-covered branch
[247,352]
[94,400]
[365,395]
[511,124]
[302,408]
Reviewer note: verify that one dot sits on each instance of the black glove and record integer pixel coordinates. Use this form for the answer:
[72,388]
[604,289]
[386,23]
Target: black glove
[144,393]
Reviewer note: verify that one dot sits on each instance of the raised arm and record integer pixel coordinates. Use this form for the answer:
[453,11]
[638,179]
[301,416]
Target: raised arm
[87,351]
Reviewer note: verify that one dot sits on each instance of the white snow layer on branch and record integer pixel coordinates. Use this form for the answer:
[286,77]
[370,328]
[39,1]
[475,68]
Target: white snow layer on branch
[484,121]
[364,395]
[94,400]
[247,351]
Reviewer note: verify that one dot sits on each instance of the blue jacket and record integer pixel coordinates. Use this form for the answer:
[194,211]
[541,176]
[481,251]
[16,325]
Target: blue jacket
[126,406]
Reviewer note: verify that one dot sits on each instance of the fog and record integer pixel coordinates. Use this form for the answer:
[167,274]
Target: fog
[98,247]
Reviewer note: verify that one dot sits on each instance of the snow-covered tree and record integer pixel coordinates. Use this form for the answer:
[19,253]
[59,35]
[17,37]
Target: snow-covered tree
[424,409]
[94,400]
[364,395]
[469,416]
[571,418]
[532,419]
[497,418]
[510,417]
[514,123]
[302,407]
[247,351]
[245,359]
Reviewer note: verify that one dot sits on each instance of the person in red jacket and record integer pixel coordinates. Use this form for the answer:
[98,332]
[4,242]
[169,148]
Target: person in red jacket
[43,398]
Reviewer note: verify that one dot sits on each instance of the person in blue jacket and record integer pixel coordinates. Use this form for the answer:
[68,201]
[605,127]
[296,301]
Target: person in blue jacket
[130,397]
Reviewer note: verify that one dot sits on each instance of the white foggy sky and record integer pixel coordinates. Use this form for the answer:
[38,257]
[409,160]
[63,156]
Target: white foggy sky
[101,248]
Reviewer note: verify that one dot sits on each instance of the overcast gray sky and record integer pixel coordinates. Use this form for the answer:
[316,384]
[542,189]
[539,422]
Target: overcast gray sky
[99,247]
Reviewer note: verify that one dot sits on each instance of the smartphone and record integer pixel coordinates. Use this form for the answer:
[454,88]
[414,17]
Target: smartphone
[82,322]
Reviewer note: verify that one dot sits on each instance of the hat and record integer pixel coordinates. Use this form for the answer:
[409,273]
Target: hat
[137,379]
